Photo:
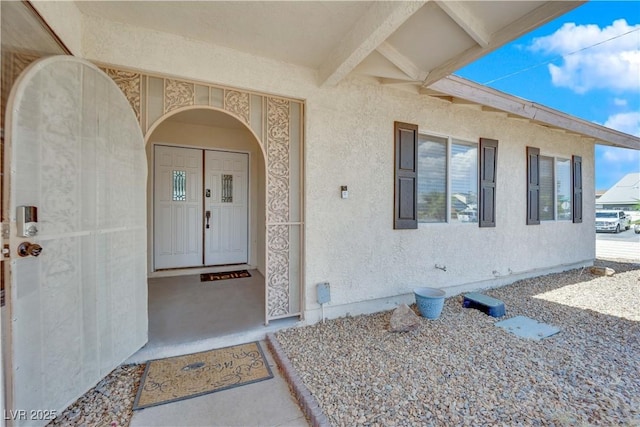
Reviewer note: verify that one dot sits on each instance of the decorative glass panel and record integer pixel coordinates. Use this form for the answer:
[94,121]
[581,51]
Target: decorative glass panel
[227,188]
[179,186]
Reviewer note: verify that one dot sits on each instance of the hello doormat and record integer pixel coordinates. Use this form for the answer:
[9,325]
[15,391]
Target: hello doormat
[207,277]
[183,377]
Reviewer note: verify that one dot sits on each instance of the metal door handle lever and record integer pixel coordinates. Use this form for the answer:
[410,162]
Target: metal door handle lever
[207,215]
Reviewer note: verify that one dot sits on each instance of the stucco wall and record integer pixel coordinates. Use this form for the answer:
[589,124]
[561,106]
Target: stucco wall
[349,141]
[209,137]
[352,244]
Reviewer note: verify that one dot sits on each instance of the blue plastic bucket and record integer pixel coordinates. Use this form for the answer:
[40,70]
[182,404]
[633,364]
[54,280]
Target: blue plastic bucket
[430,301]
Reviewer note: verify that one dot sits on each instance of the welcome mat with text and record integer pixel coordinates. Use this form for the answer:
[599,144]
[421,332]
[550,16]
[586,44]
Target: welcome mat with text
[206,277]
[183,377]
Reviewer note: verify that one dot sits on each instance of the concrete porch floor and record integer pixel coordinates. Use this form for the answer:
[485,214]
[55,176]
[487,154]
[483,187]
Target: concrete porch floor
[187,315]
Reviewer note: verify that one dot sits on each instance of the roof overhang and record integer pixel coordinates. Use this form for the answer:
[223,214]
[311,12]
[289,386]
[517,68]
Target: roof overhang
[462,91]
[414,42]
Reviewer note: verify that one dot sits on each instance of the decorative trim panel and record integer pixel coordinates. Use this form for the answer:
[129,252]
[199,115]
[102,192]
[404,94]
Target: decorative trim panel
[237,103]
[278,159]
[178,94]
[278,205]
[278,271]
[130,84]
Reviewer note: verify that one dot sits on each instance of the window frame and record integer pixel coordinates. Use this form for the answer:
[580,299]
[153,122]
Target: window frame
[570,187]
[450,140]
[541,158]
[536,187]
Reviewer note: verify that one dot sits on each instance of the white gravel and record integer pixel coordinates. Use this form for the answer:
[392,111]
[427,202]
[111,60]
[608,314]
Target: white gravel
[108,404]
[462,370]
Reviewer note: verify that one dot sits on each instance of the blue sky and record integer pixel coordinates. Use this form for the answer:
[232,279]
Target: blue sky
[600,82]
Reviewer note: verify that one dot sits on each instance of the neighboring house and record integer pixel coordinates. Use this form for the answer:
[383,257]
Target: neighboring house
[260,114]
[625,194]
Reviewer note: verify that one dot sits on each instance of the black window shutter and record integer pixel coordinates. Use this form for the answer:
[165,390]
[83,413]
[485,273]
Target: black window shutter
[487,171]
[533,186]
[406,176]
[576,177]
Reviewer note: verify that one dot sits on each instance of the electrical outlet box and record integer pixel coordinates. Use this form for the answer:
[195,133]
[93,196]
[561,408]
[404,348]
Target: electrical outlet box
[324,293]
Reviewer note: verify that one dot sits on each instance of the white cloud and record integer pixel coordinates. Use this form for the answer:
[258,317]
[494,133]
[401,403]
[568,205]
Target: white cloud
[612,163]
[625,122]
[619,102]
[614,155]
[614,64]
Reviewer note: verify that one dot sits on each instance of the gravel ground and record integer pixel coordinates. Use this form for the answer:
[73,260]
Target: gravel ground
[462,370]
[459,369]
[108,404]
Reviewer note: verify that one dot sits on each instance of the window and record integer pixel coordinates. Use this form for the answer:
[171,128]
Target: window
[553,191]
[563,189]
[432,182]
[464,181]
[546,203]
[179,186]
[439,179]
[447,167]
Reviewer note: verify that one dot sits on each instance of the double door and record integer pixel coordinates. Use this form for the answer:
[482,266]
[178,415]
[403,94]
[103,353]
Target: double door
[200,207]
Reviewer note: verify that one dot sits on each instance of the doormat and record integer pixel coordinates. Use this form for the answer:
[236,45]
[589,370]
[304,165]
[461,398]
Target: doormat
[183,377]
[526,327]
[207,277]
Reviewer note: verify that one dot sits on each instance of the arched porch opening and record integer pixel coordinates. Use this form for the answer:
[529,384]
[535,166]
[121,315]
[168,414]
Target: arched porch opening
[277,124]
[209,154]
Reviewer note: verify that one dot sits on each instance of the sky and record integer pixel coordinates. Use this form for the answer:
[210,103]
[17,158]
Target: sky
[585,63]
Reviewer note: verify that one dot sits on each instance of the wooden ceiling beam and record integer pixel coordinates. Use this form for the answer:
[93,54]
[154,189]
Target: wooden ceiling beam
[380,21]
[401,61]
[466,20]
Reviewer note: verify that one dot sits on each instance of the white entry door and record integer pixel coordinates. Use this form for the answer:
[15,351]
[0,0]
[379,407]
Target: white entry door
[178,207]
[226,203]
[194,225]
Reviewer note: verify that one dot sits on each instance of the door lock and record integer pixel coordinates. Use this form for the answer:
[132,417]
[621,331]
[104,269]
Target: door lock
[29,249]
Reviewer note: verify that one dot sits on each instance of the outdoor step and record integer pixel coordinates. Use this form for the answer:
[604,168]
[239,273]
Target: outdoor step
[489,305]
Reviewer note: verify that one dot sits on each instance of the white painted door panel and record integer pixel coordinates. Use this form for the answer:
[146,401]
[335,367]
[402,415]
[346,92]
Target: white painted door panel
[178,207]
[75,150]
[226,176]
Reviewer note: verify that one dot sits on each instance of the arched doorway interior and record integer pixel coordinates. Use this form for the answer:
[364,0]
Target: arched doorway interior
[203,160]
[277,123]
[209,179]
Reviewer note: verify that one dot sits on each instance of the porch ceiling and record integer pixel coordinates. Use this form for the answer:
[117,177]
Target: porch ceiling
[412,43]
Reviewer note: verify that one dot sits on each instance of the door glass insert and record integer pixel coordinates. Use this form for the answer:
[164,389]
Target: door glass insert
[179,186]
[227,188]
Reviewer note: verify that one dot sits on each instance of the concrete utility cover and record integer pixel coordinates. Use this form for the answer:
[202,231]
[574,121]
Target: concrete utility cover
[526,327]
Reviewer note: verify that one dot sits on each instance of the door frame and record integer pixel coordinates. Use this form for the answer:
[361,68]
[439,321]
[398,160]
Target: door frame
[164,272]
[150,146]
[278,125]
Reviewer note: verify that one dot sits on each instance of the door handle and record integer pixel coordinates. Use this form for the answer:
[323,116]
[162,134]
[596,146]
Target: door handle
[207,215]
[29,249]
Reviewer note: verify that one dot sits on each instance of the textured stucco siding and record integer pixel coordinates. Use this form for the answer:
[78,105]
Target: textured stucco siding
[349,141]
[352,244]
